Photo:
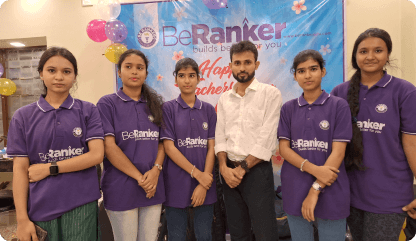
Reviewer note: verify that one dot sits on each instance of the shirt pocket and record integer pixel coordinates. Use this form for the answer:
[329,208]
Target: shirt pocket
[255,116]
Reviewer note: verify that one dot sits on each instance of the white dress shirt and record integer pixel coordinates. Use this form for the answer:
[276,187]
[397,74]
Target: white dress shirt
[248,125]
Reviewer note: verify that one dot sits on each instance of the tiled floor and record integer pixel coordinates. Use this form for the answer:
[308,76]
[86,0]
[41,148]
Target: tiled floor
[8,232]
[8,225]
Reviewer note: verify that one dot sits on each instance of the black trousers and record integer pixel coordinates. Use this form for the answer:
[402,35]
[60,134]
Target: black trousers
[251,205]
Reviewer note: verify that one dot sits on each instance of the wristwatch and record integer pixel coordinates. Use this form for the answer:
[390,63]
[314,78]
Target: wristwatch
[244,165]
[317,187]
[54,169]
[158,167]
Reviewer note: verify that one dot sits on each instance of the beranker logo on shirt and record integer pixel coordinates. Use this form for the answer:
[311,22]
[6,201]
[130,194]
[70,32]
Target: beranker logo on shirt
[324,125]
[310,145]
[63,154]
[140,135]
[191,143]
[370,126]
[381,108]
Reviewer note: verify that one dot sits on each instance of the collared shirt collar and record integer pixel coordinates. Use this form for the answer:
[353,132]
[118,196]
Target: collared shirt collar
[252,86]
[320,101]
[45,106]
[181,102]
[385,80]
[126,98]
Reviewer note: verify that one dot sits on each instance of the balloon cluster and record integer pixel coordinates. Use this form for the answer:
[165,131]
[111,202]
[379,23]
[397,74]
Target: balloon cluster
[7,87]
[100,30]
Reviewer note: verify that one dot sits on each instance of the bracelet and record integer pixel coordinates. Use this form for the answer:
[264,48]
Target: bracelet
[303,163]
[192,172]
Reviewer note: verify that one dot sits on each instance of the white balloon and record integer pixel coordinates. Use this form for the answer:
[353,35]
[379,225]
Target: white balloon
[109,9]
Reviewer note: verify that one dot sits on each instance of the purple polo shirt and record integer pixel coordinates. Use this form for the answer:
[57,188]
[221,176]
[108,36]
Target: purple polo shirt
[129,122]
[387,109]
[45,134]
[311,129]
[190,129]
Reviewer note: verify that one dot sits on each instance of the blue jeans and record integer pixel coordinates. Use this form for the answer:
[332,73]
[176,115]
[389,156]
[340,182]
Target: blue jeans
[177,222]
[329,230]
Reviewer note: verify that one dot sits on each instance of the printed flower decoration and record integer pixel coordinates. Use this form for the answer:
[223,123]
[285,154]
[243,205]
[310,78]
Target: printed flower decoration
[219,44]
[176,85]
[260,46]
[283,60]
[159,77]
[177,55]
[179,13]
[277,159]
[325,49]
[298,6]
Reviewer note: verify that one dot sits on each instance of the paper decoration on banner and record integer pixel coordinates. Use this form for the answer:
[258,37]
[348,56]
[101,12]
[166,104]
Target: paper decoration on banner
[109,9]
[115,30]
[1,70]
[114,51]
[215,4]
[7,87]
[96,30]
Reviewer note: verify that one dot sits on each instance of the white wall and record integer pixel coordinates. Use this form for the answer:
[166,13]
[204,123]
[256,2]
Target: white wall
[64,23]
[398,18]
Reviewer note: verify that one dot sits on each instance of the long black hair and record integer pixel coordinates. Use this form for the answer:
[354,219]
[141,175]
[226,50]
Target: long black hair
[154,100]
[56,51]
[354,151]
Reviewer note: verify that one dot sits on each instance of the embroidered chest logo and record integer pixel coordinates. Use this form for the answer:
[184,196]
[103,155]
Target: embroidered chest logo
[381,108]
[77,132]
[151,118]
[324,125]
[205,126]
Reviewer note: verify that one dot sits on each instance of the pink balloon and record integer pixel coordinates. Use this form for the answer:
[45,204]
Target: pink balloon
[96,30]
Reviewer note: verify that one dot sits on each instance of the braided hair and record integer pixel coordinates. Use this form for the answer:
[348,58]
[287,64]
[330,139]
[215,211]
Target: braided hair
[354,151]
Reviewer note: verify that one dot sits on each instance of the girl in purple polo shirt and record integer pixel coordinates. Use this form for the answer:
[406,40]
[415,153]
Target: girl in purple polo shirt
[313,133]
[55,144]
[133,188]
[381,158]
[189,143]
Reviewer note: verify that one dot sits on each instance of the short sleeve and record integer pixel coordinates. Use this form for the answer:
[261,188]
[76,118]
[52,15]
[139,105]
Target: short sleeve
[106,113]
[94,125]
[283,131]
[408,114]
[212,119]
[334,91]
[16,138]
[343,124]
[168,132]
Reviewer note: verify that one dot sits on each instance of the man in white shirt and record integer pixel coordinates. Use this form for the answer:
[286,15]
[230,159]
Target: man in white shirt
[245,140]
